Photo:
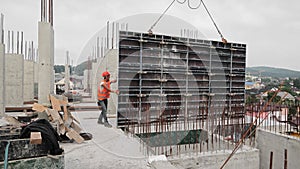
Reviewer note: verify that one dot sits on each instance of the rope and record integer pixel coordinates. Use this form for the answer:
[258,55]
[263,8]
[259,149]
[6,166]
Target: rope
[6,155]
[150,30]
[165,11]
[223,39]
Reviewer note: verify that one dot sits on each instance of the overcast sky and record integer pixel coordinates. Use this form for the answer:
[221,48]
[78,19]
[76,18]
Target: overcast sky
[271,29]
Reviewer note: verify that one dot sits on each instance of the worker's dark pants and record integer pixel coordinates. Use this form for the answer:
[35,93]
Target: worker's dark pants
[103,114]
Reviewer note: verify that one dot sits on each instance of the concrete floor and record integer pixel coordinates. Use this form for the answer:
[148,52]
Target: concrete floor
[110,148]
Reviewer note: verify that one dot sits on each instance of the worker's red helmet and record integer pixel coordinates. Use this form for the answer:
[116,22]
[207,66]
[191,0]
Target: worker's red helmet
[106,73]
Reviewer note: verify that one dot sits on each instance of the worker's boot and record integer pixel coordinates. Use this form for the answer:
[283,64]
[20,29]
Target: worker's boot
[100,119]
[106,124]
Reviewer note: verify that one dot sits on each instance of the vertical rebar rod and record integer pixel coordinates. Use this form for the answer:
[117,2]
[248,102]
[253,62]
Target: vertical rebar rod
[25,54]
[45,10]
[285,159]
[12,42]
[42,10]
[97,49]
[22,42]
[8,41]
[112,34]
[1,28]
[107,35]
[17,42]
[32,50]
[271,160]
[51,12]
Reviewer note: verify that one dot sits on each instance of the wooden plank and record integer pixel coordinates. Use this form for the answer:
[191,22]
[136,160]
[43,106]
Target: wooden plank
[55,116]
[12,121]
[72,134]
[38,107]
[35,138]
[76,127]
[75,119]
[55,103]
[66,113]
[62,129]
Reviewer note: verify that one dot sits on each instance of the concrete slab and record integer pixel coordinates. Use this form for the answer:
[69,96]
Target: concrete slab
[246,159]
[110,148]
[14,78]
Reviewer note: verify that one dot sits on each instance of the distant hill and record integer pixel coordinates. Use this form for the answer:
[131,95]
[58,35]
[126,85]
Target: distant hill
[273,72]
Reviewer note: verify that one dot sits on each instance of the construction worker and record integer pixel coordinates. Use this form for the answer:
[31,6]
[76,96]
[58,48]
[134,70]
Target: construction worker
[104,91]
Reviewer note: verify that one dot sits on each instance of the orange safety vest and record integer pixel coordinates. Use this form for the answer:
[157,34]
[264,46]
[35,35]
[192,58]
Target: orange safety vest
[104,94]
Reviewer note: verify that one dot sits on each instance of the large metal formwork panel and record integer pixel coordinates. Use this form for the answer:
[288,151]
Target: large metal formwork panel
[178,84]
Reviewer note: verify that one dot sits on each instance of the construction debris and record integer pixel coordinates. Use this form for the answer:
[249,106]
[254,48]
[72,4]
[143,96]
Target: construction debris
[60,115]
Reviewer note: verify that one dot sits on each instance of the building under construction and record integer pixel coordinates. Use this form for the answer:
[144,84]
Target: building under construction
[178,91]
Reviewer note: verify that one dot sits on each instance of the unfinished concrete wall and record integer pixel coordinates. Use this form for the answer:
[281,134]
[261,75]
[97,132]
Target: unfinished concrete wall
[268,142]
[2,79]
[46,61]
[36,78]
[108,63]
[246,159]
[14,79]
[28,80]
[95,79]
[87,79]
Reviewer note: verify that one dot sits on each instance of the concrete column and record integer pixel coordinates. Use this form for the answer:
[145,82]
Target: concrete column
[67,78]
[2,68]
[36,78]
[28,80]
[2,80]
[14,79]
[46,61]
[94,80]
[87,82]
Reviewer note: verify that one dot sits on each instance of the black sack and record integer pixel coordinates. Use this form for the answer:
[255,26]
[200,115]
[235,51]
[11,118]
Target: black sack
[49,135]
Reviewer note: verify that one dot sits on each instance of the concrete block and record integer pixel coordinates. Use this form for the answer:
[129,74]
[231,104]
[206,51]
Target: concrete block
[268,141]
[14,68]
[28,80]
[46,62]
[2,80]
[246,159]
[53,162]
